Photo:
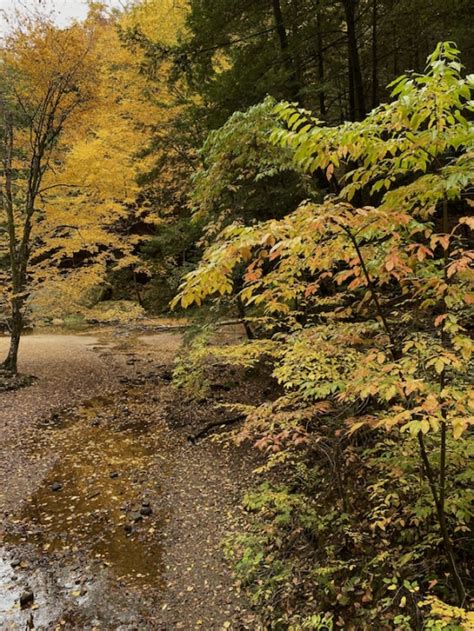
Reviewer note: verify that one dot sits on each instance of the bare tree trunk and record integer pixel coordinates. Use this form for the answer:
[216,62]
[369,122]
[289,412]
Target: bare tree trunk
[356,85]
[375,70]
[439,505]
[16,316]
[284,46]
[137,290]
[241,311]
[16,328]
[319,43]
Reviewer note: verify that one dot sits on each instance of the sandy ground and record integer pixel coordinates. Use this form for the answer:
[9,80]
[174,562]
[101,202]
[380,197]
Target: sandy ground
[65,367]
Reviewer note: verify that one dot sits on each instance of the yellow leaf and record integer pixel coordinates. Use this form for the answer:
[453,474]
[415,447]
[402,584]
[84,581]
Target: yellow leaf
[459,425]
[439,366]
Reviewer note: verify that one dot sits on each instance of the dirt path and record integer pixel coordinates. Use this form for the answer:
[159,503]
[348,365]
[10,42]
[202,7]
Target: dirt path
[110,517]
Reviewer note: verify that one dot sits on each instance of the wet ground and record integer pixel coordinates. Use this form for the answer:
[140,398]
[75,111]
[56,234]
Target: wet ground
[122,528]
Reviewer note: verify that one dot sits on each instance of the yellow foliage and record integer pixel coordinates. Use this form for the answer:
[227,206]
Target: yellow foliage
[89,193]
[449,614]
[158,20]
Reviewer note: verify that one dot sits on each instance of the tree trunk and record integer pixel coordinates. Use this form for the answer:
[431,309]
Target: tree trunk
[241,311]
[375,70]
[137,290]
[356,85]
[16,320]
[448,546]
[16,328]
[287,59]
[319,43]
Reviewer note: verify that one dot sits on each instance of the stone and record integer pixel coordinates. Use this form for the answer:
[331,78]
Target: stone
[56,486]
[146,511]
[167,375]
[27,598]
[135,516]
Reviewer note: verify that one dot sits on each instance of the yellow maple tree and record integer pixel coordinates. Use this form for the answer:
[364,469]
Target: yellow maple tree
[47,79]
[78,226]
[104,155]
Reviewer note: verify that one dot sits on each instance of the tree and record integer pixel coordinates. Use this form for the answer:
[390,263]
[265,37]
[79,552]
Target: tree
[170,137]
[322,55]
[98,202]
[47,80]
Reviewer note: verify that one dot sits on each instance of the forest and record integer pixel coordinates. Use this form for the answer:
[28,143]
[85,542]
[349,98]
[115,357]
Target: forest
[236,316]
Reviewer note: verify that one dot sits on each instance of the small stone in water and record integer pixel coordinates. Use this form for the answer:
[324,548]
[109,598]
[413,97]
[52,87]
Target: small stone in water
[26,599]
[136,516]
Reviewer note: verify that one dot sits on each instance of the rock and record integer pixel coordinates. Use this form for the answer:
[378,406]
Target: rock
[114,474]
[135,516]
[57,322]
[15,563]
[128,528]
[167,375]
[221,387]
[56,486]
[27,598]
[146,511]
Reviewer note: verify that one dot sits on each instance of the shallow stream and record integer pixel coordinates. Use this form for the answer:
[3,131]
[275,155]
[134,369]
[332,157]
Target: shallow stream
[86,543]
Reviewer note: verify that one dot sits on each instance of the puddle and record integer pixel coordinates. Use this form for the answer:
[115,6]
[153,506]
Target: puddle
[96,518]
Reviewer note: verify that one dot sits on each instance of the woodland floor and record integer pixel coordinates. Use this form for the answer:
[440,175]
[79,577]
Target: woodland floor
[110,517]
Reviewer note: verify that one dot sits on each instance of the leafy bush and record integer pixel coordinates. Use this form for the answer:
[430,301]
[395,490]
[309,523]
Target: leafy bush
[367,298]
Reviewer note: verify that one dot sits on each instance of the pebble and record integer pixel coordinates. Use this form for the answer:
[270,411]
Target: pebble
[135,516]
[27,598]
